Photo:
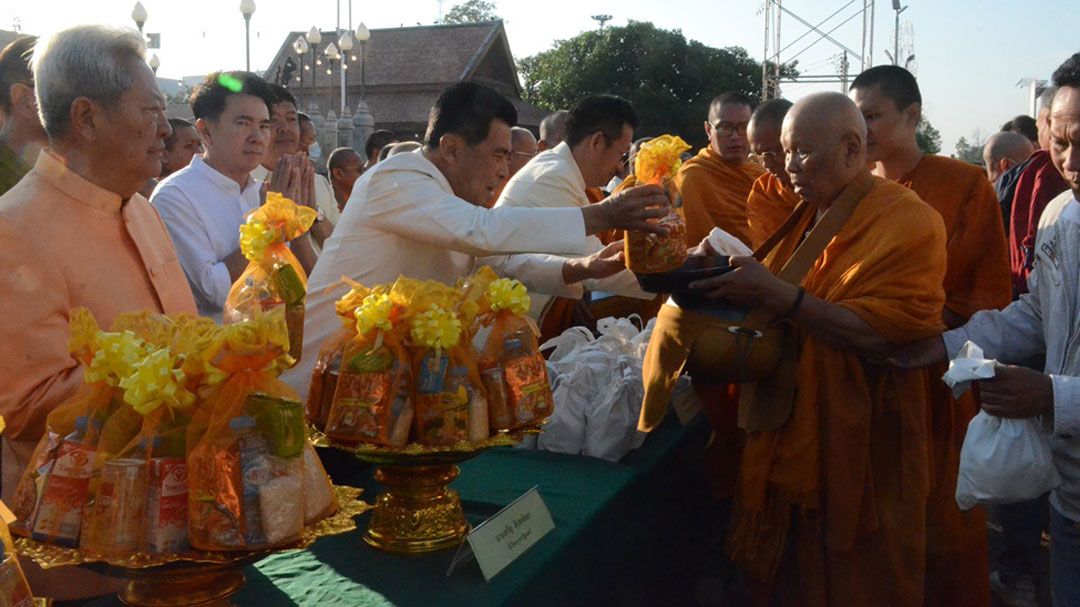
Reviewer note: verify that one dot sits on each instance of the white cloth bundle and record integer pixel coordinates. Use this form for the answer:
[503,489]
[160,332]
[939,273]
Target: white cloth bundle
[598,389]
[1003,460]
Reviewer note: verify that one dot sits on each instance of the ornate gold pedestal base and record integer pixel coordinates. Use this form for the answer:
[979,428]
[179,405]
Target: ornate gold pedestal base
[417,513]
[202,586]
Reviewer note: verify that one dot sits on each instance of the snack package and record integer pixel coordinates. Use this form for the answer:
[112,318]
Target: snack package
[274,278]
[245,445]
[657,163]
[14,589]
[372,396]
[512,369]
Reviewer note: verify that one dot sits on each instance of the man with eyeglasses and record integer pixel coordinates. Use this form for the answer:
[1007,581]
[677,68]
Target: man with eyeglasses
[21,135]
[715,183]
[772,198]
[599,130]
[976,278]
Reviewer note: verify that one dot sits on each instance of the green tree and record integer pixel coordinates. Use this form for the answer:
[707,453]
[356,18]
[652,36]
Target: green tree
[969,152]
[669,79]
[928,138]
[471,11]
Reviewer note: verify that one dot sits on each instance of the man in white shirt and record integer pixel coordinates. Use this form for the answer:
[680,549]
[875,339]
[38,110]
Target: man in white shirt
[421,214]
[598,135]
[285,141]
[204,203]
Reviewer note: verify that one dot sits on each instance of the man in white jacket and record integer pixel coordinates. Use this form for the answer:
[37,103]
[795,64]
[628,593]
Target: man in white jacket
[421,214]
[1044,321]
[599,131]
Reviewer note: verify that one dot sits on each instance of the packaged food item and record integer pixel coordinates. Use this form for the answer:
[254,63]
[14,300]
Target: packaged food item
[281,421]
[14,590]
[657,162]
[255,471]
[115,522]
[528,389]
[324,379]
[319,498]
[500,417]
[167,506]
[30,488]
[274,278]
[59,515]
[442,402]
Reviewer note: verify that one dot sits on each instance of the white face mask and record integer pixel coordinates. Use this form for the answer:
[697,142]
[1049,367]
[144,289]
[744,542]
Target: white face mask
[314,152]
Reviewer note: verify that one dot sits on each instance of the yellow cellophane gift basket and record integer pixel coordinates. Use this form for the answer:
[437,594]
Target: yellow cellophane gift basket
[657,163]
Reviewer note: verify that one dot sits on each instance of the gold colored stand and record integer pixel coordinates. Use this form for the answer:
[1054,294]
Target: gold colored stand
[418,513]
[193,579]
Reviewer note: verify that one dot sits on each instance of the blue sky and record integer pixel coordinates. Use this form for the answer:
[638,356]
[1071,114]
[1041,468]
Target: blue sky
[969,55]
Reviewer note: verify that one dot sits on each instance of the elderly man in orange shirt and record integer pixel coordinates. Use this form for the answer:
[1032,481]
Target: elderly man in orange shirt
[74,232]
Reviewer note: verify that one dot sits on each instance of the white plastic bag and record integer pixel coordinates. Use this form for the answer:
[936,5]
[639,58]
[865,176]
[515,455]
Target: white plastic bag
[598,389]
[1004,461]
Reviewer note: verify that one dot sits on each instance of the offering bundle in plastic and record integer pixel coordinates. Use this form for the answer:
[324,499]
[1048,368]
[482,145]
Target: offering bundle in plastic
[114,474]
[657,163]
[274,277]
[14,589]
[429,363]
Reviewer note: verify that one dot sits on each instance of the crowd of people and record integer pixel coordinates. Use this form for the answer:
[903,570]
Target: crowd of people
[107,204]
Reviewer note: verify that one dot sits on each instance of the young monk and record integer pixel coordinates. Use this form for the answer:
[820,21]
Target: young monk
[832,505]
[771,199]
[715,183]
[977,278]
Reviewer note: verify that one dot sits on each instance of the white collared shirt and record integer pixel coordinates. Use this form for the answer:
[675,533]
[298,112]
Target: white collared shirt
[552,179]
[404,219]
[203,210]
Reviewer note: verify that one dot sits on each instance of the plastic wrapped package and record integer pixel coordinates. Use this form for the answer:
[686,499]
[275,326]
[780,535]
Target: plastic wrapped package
[14,590]
[274,278]
[657,163]
[598,390]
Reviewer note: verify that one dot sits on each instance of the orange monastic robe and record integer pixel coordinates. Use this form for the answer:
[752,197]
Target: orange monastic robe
[831,509]
[957,567]
[768,205]
[714,195]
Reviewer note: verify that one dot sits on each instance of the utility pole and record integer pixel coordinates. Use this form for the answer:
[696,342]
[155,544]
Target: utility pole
[896,31]
[843,73]
[601,19]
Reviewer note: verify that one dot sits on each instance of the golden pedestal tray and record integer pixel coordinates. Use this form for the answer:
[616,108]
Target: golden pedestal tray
[418,512]
[206,579]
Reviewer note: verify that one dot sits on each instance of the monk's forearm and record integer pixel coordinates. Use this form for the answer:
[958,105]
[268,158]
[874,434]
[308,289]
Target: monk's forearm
[840,328]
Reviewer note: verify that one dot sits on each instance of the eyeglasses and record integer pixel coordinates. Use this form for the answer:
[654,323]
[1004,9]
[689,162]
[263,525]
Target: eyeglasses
[525,154]
[726,129]
[765,157]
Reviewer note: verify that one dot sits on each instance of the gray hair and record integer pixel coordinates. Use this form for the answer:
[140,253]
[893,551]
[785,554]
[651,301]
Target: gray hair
[91,61]
[1046,98]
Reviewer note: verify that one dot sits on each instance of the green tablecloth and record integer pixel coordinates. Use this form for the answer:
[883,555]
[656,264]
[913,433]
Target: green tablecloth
[621,535]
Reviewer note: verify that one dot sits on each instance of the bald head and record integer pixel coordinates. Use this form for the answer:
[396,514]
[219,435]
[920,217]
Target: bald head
[522,148]
[824,136]
[553,130]
[763,134]
[1003,151]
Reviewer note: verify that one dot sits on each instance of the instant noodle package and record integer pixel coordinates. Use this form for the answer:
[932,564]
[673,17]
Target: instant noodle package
[429,363]
[181,438]
[657,162]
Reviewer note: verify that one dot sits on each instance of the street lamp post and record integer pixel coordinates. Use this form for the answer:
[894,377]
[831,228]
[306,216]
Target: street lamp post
[345,43]
[314,37]
[247,9]
[362,36]
[300,46]
[154,63]
[138,14]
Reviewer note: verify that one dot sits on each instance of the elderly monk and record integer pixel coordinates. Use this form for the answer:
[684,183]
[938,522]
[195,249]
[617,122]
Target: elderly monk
[74,233]
[715,183]
[522,149]
[552,130]
[1003,151]
[771,198]
[977,279]
[832,504]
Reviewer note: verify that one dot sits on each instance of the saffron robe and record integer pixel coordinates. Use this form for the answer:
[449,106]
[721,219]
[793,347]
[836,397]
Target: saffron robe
[767,206]
[714,195]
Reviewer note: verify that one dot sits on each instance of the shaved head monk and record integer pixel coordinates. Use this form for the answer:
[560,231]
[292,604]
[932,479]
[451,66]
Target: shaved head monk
[977,279]
[771,198]
[1003,151]
[715,183]
[552,130]
[832,504]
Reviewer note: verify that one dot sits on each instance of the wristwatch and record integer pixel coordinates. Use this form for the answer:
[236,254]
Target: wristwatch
[320,215]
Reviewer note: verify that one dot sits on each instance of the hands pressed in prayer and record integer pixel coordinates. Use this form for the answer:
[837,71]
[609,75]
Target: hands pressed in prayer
[631,209]
[1016,392]
[605,262]
[294,178]
[750,285]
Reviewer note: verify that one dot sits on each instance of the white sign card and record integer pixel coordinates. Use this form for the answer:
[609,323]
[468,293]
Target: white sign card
[685,401]
[501,539]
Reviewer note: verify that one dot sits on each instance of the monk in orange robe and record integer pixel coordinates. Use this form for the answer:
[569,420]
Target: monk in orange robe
[977,278]
[831,506]
[715,183]
[771,199]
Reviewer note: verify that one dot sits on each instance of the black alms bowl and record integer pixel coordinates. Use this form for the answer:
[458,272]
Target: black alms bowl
[677,284]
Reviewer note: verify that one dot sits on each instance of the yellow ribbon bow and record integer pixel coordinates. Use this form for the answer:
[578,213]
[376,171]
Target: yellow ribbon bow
[509,294]
[117,353]
[153,382]
[437,328]
[374,313]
